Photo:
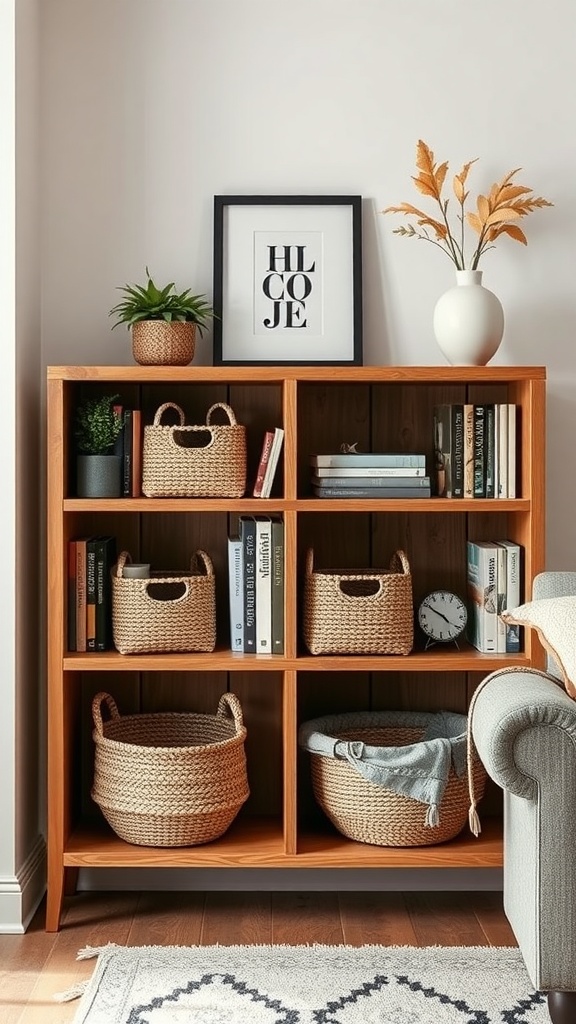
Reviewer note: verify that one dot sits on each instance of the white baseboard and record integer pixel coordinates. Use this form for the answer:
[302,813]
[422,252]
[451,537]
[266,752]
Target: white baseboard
[21,893]
[286,880]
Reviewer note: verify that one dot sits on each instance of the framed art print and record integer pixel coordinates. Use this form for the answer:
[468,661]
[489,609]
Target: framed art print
[287,280]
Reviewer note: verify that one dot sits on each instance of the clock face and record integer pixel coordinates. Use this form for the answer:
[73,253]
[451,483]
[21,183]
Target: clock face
[442,616]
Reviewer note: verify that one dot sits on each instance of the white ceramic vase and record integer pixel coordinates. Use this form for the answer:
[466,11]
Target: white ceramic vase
[468,321]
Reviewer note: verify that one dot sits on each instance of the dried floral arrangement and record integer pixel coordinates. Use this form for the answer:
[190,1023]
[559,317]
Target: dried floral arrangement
[497,213]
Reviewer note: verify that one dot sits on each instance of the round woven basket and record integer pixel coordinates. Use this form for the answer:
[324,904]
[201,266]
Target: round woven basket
[171,778]
[159,343]
[370,813]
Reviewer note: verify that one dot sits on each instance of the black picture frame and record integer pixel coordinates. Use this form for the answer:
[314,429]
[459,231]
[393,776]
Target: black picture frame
[288,280]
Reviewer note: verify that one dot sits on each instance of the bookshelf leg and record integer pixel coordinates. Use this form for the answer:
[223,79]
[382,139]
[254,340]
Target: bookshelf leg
[70,881]
[54,898]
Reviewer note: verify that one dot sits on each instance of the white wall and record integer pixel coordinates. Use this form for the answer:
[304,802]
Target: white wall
[150,108]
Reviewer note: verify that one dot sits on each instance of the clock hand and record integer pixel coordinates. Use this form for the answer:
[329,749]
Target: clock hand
[442,616]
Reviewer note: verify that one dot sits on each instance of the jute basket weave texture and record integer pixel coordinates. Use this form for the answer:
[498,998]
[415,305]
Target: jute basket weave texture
[171,778]
[370,813]
[159,343]
[165,612]
[343,616]
[173,468]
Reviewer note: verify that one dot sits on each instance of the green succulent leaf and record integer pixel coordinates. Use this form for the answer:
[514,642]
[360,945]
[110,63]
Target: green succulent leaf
[152,303]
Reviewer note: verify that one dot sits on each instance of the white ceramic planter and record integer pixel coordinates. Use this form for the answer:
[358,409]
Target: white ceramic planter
[468,321]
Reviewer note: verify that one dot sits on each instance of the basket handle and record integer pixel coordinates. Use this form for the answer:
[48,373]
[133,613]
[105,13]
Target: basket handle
[227,409]
[97,702]
[400,559]
[200,559]
[309,561]
[123,557]
[162,409]
[230,705]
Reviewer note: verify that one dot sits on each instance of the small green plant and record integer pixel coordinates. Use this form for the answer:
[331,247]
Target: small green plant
[152,303]
[97,425]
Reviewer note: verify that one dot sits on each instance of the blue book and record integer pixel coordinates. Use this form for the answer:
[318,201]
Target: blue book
[236,593]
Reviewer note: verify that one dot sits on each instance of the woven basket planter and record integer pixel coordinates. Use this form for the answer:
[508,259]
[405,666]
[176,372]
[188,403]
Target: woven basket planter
[159,343]
[169,779]
[165,612]
[370,813]
[359,612]
[207,461]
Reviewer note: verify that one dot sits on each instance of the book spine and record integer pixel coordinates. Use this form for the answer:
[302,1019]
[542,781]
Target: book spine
[457,451]
[263,585]
[81,595]
[277,586]
[371,492]
[443,450]
[264,457]
[416,482]
[127,455]
[501,598]
[489,451]
[248,535]
[136,468]
[236,594]
[272,462]
[72,595]
[513,592]
[502,412]
[105,559]
[378,472]
[511,451]
[468,450]
[479,474]
[399,460]
[91,594]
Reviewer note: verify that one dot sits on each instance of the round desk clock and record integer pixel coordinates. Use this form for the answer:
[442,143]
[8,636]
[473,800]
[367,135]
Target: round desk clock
[442,617]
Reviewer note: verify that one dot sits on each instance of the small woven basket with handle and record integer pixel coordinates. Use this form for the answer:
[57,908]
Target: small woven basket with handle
[166,612]
[360,611]
[169,778]
[207,461]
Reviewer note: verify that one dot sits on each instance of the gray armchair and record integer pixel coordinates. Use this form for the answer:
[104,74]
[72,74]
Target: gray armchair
[524,727]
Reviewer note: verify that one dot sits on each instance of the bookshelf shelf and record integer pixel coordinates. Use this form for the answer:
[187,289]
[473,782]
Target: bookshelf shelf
[319,407]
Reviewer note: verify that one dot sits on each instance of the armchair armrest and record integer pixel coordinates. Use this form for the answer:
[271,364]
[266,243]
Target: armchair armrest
[507,704]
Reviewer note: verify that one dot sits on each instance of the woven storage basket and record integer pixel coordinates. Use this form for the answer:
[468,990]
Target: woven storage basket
[343,616]
[214,469]
[165,612]
[370,813]
[169,779]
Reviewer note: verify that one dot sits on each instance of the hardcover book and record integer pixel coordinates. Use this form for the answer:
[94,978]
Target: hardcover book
[105,559]
[236,593]
[511,451]
[91,594]
[263,585]
[479,452]
[136,468]
[81,544]
[482,595]
[468,450]
[263,463]
[513,591]
[417,482]
[272,462]
[372,492]
[365,472]
[443,450]
[457,438]
[277,585]
[72,595]
[127,455]
[248,538]
[339,460]
[502,413]
[490,450]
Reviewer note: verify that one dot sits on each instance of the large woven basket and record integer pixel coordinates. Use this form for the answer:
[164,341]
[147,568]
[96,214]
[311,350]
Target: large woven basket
[370,813]
[207,461]
[167,612]
[169,779]
[359,611]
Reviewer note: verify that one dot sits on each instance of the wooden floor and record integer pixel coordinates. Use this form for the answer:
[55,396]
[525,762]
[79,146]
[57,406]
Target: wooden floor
[36,965]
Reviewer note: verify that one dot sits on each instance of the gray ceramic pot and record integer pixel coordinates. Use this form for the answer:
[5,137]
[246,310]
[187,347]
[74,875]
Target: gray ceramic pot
[99,476]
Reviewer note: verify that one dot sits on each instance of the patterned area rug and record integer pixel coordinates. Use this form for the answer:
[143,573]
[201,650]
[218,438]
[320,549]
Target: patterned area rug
[309,985]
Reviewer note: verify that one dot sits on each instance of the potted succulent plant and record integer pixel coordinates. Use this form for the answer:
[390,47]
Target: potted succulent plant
[98,467]
[163,322]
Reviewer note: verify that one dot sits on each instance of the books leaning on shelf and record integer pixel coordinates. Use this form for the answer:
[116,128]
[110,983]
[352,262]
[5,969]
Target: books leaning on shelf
[269,456]
[90,560]
[256,586]
[494,584]
[475,450]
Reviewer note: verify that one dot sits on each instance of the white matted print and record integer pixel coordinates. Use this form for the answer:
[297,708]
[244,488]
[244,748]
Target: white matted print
[287,280]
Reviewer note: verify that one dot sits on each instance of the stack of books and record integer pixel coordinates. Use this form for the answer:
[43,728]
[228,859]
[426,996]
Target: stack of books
[256,586]
[90,561]
[370,475]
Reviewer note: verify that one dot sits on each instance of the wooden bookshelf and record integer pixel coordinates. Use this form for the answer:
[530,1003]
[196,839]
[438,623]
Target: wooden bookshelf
[382,408]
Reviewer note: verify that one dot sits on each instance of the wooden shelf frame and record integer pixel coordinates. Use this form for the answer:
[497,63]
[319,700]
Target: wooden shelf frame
[284,689]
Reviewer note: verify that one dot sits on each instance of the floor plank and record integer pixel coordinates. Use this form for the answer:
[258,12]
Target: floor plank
[442,919]
[379,918]
[488,910]
[22,960]
[167,919]
[237,918]
[299,918]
